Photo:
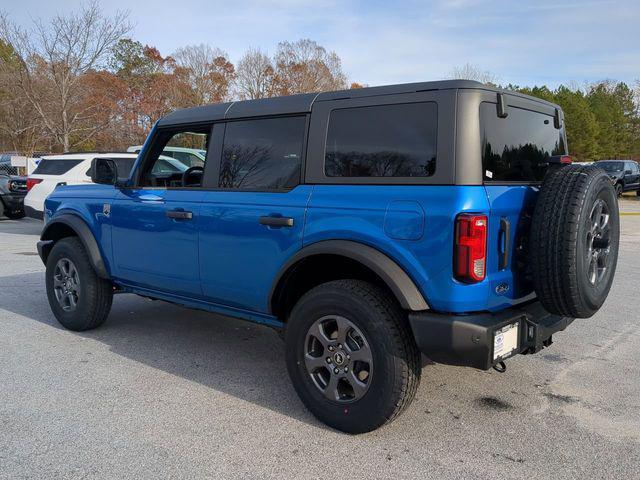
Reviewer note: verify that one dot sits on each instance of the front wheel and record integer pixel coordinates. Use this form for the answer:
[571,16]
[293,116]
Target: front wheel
[79,299]
[618,190]
[351,356]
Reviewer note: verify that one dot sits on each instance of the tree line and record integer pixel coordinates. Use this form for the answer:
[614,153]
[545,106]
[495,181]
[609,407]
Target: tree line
[602,119]
[79,82]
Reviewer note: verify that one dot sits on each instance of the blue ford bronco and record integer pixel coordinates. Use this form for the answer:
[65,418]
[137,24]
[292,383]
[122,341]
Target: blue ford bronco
[366,225]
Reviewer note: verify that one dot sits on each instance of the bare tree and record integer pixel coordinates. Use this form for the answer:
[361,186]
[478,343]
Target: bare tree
[53,58]
[20,128]
[208,71]
[255,75]
[304,66]
[473,72]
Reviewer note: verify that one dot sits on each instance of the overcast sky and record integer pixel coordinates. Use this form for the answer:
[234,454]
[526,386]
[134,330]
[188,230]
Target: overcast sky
[383,42]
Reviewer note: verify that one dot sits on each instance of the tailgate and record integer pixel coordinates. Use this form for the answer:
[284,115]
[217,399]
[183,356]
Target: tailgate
[511,209]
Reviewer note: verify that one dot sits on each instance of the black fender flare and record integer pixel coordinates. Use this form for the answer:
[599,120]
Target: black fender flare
[398,281]
[83,232]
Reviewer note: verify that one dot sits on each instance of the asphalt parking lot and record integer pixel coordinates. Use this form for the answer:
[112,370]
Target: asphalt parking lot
[163,392]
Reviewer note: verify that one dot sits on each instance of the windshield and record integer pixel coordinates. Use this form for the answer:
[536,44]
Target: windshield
[611,166]
[166,165]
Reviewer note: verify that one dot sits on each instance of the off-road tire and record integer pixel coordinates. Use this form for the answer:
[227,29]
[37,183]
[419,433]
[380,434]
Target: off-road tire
[96,294]
[396,358]
[559,240]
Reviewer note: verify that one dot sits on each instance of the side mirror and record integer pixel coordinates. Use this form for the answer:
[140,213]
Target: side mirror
[104,171]
[628,172]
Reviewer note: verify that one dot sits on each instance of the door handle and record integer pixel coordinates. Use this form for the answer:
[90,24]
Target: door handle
[150,198]
[276,221]
[179,214]
[505,238]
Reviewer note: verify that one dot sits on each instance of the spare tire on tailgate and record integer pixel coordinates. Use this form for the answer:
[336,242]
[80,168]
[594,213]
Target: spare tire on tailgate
[574,240]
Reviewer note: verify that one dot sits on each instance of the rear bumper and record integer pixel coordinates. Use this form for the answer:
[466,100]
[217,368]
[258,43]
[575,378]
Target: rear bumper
[33,213]
[468,340]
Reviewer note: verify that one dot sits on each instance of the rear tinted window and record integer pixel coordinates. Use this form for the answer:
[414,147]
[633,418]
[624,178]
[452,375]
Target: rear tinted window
[124,167]
[55,167]
[517,148]
[611,166]
[382,141]
[262,154]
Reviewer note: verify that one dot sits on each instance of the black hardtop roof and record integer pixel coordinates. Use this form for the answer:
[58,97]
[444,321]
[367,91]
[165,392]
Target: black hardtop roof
[617,160]
[302,103]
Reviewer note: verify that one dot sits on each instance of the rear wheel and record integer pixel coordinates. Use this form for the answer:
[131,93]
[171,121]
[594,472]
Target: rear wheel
[1,208]
[79,299]
[351,356]
[574,241]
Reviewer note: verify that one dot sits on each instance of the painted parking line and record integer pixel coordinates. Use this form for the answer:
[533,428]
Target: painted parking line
[630,213]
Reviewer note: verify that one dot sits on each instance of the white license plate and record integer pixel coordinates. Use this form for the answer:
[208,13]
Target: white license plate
[505,341]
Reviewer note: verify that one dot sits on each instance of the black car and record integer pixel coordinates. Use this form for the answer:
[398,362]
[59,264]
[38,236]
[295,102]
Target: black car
[12,192]
[625,174]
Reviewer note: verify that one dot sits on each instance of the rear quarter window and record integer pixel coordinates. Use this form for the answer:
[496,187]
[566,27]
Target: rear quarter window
[55,167]
[517,148]
[382,141]
[124,166]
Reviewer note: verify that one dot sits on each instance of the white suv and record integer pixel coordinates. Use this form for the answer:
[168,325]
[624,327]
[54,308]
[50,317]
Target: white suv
[66,169]
[191,157]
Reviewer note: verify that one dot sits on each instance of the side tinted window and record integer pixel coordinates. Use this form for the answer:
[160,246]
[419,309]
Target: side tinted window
[517,148]
[382,141]
[124,166]
[262,154]
[55,167]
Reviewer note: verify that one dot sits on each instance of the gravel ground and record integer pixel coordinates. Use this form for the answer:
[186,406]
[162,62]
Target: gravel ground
[164,392]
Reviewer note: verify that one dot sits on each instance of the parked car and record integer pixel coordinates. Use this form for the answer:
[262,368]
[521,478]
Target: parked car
[191,157]
[625,174]
[65,169]
[367,225]
[13,188]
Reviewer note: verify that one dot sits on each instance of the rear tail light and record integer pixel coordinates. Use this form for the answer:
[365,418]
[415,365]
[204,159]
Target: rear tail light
[31,182]
[563,159]
[470,249]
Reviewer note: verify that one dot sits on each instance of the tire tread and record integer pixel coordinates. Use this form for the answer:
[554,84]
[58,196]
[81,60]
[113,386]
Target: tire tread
[554,238]
[99,291]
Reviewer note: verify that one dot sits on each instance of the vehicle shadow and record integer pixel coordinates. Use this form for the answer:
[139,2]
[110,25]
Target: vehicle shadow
[228,355]
[24,226]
